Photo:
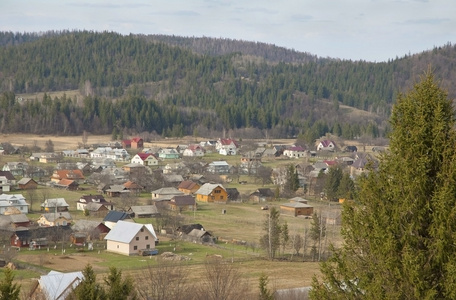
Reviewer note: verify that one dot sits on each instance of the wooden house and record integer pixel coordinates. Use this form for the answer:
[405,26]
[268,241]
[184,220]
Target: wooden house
[188,187]
[182,203]
[262,195]
[27,184]
[210,192]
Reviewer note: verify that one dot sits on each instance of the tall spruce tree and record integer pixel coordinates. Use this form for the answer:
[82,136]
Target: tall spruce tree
[399,235]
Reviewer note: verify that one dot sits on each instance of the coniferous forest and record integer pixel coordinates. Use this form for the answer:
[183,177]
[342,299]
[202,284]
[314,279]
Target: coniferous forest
[177,86]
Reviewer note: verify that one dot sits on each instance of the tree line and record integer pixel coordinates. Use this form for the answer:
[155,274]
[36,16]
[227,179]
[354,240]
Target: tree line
[222,89]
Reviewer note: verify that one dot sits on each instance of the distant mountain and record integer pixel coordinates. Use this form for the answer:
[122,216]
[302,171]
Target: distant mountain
[181,85]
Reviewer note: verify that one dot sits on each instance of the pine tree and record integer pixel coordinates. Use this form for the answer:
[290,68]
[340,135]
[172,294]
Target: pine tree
[88,288]
[119,288]
[8,289]
[399,235]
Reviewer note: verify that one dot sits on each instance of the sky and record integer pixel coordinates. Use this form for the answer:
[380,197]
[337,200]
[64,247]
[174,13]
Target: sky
[370,30]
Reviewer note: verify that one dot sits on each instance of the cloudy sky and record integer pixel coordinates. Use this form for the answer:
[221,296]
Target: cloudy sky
[372,30]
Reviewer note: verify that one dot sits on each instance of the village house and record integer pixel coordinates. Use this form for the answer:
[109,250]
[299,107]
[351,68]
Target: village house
[133,187]
[129,238]
[56,285]
[27,184]
[182,203]
[55,219]
[188,187]
[262,195]
[296,209]
[14,222]
[227,147]
[116,190]
[85,200]
[143,211]
[67,184]
[16,168]
[93,230]
[326,145]
[135,169]
[295,152]
[13,200]
[55,205]
[75,175]
[165,194]
[193,151]
[218,167]
[210,192]
[168,153]
[114,216]
[145,159]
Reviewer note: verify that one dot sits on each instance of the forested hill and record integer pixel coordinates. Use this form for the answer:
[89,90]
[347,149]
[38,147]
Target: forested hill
[178,86]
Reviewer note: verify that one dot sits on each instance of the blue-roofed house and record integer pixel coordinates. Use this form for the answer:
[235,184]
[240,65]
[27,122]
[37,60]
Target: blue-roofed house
[129,238]
[114,216]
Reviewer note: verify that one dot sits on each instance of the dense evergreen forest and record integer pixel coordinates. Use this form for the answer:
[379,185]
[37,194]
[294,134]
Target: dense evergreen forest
[176,86]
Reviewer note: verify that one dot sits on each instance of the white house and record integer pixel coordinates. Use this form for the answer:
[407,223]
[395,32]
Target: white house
[119,155]
[145,159]
[193,151]
[326,145]
[15,200]
[129,238]
[226,146]
[295,152]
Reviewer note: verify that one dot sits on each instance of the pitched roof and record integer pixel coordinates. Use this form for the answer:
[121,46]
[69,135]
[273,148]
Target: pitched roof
[124,232]
[69,174]
[114,216]
[55,202]
[295,205]
[144,156]
[183,200]
[187,185]
[56,285]
[25,180]
[144,209]
[167,191]
[51,217]
[207,188]
[132,185]
[8,175]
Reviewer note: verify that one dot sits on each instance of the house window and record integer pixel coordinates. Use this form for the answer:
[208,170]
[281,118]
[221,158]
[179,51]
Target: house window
[217,191]
[137,238]
[117,246]
[135,248]
[142,229]
[221,197]
[64,223]
[147,246]
[147,237]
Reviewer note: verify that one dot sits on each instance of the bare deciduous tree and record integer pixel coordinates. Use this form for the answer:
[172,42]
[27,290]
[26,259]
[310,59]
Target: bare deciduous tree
[166,280]
[222,281]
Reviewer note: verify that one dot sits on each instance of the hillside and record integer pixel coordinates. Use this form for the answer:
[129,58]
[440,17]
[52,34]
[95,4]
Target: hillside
[176,86]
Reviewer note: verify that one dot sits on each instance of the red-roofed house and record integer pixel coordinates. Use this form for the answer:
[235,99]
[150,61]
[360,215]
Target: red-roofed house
[226,146]
[145,159]
[326,145]
[75,175]
[137,143]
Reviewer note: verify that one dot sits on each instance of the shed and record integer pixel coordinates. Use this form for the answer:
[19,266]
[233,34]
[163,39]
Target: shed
[296,209]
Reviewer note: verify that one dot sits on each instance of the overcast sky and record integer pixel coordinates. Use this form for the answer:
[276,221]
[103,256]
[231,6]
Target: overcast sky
[372,30]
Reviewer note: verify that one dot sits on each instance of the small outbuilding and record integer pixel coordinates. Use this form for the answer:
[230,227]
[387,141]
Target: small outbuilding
[296,209]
